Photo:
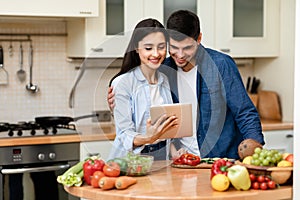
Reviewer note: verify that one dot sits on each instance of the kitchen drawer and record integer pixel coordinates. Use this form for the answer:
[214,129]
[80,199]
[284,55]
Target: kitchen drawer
[281,140]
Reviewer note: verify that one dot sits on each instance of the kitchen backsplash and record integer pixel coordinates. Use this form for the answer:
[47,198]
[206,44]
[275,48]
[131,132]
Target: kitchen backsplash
[52,73]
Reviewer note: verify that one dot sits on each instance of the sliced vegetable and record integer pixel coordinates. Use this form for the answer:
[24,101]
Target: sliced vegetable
[187,159]
[73,176]
[124,182]
[107,183]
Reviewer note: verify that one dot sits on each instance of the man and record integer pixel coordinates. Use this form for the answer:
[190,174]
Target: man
[223,113]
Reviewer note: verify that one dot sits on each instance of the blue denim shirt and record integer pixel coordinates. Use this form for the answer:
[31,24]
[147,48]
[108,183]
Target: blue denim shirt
[132,108]
[225,114]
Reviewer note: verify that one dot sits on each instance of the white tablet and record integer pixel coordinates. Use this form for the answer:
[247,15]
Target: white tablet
[184,114]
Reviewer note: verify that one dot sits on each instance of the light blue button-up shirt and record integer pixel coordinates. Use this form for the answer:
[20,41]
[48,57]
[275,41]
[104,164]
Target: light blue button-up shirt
[133,101]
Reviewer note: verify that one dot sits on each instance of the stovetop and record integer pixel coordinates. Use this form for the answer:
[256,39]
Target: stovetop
[31,129]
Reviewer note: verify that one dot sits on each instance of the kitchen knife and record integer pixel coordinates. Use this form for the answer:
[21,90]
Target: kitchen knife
[248,83]
[253,85]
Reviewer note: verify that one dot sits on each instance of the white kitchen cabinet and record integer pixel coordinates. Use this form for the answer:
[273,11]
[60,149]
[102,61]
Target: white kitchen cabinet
[247,28]
[91,148]
[53,8]
[281,140]
[107,35]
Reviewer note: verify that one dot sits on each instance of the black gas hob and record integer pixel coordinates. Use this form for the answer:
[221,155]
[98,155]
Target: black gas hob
[31,129]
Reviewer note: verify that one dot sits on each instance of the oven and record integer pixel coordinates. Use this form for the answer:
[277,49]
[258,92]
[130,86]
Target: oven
[29,172]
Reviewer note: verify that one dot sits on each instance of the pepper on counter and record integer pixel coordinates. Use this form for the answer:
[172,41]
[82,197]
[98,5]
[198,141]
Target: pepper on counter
[187,159]
[220,166]
[91,165]
[239,177]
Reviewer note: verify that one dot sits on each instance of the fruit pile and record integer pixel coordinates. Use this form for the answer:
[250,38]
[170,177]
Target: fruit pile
[269,158]
[225,173]
[262,182]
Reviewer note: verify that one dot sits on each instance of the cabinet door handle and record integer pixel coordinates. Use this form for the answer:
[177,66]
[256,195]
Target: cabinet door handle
[225,50]
[97,49]
[289,136]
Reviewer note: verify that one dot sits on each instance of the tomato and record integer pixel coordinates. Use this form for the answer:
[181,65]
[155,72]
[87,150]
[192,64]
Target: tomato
[263,186]
[252,177]
[267,179]
[112,169]
[122,163]
[271,184]
[255,185]
[261,178]
[97,175]
[290,158]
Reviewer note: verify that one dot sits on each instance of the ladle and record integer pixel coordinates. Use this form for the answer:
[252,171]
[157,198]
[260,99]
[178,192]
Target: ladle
[21,72]
[31,87]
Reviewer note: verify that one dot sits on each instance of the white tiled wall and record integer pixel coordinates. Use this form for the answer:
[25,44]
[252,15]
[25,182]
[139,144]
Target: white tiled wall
[53,74]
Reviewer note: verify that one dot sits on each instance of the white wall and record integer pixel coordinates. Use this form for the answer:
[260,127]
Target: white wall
[278,74]
[51,72]
[296,178]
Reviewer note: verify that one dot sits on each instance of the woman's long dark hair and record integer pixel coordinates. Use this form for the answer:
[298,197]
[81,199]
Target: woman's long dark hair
[142,29]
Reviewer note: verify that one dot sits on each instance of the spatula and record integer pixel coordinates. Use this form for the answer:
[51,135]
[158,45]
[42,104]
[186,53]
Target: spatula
[3,72]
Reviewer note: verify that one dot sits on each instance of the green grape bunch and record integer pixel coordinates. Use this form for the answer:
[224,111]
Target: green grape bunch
[265,157]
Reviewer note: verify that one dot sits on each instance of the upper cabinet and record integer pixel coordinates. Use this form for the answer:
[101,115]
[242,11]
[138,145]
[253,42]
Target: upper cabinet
[107,35]
[242,28]
[53,8]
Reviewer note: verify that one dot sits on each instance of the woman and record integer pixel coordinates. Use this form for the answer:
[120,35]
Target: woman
[137,86]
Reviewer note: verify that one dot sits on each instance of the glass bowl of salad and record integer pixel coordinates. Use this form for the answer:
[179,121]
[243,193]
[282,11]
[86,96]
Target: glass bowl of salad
[139,165]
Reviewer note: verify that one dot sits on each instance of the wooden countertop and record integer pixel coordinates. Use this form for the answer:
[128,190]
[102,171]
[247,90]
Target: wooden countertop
[87,133]
[270,125]
[105,132]
[174,183]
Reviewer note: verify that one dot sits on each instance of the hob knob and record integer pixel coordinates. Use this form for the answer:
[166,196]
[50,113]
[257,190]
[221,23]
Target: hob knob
[11,133]
[52,156]
[20,133]
[41,156]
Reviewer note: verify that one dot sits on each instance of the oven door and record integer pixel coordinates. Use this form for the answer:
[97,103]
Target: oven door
[34,182]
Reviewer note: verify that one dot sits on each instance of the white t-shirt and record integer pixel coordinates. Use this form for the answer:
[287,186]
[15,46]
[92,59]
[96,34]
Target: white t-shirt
[187,92]
[156,98]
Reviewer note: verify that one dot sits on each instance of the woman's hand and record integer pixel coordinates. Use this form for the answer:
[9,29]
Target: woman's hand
[111,98]
[176,154]
[154,131]
[163,124]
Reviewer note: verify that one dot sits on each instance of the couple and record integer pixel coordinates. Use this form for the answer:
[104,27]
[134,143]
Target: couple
[223,114]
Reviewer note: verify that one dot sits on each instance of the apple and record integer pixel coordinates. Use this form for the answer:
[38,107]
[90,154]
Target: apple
[290,158]
[284,155]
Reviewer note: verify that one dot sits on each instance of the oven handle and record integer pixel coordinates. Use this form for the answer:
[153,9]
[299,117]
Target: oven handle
[34,169]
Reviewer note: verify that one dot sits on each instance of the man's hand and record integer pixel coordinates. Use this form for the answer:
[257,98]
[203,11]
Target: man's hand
[111,98]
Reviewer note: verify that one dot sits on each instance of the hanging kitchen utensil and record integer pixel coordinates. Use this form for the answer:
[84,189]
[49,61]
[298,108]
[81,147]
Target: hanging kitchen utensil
[21,72]
[3,72]
[50,121]
[10,50]
[30,87]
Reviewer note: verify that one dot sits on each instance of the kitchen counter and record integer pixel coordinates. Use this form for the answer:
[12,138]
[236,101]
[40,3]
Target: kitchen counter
[269,125]
[87,133]
[166,182]
[105,132]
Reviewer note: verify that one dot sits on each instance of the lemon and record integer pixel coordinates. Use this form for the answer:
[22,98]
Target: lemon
[220,182]
[247,160]
[284,163]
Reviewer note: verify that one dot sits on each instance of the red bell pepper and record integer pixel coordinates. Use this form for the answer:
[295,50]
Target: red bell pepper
[187,159]
[220,167]
[90,166]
